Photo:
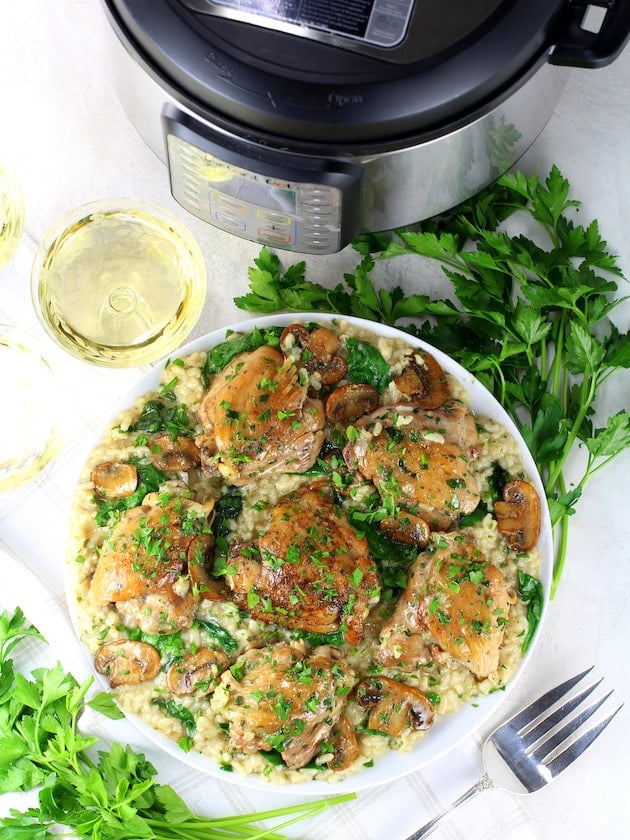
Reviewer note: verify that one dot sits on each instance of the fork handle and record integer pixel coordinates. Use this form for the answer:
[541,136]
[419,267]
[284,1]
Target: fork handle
[484,783]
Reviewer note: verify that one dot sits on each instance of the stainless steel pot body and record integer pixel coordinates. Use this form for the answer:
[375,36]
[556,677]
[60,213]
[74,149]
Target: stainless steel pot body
[393,184]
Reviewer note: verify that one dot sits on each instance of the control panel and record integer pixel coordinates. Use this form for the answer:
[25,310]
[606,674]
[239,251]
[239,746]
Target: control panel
[266,204]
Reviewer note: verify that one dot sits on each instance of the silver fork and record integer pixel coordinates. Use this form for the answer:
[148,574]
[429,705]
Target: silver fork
[536,744]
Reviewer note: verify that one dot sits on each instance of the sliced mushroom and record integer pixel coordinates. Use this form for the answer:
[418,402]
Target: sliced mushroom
[423,381]
[518,515]
[197,672]
[319,351]
[175,454]
[208,451]
[406,528]
[204,585]
[127,662]
[294,333]
[114,480]
[324,343]
[351,401]
[344,742]
[394,705]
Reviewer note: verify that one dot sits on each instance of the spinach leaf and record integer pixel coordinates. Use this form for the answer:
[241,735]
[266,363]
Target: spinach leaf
[160,416]
[315,639]
[366,365]
[217,632]
[469,520]
[178,712]
[227,508]
[274,758]
[392,558]
[498,479]
[222,354]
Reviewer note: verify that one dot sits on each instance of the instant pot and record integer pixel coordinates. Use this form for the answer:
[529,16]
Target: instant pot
[300,123]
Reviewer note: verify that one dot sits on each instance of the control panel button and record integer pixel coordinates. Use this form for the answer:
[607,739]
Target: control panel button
[274,218]
[230,222]
[229,205]
[274,237]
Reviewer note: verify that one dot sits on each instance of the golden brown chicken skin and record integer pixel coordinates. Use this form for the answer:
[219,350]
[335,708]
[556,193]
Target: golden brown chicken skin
[280,698]
[144,564]
[424,476]
[451,423]
[258,419]
[454,599]
[309,570]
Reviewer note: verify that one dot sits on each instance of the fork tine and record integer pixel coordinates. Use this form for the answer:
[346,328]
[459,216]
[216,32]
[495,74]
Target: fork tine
[576,749]
[548,722]
[535,709]
[571,726]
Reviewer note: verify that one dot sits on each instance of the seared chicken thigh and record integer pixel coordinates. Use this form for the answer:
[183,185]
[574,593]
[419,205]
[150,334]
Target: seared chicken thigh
[145,565]
[423,476]
[258,419]
[309,570]
[451,423]
[280,698]
[455,599]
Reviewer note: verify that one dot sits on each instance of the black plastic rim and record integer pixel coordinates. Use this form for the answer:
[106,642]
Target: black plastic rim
[386,101]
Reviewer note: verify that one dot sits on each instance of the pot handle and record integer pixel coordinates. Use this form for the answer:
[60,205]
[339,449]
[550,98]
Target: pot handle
[578,47]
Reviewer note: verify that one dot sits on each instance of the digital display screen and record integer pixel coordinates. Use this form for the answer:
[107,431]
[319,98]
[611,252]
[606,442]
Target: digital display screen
[268,196]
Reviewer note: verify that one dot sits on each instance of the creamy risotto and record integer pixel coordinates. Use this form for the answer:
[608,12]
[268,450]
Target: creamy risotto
[301,550]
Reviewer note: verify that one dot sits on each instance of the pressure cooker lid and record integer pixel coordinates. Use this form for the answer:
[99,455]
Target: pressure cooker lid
[353,72]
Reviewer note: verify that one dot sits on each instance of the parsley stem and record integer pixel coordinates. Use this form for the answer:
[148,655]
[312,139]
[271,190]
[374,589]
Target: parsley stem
[587,396]
[561,545]
[557,385]
[241,826]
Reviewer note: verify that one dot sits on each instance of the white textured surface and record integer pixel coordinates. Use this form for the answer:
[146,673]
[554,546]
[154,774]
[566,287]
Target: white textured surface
[64,131]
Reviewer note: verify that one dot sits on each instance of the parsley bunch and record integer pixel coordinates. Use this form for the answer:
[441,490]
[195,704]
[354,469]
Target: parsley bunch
[114,796]
[530,319]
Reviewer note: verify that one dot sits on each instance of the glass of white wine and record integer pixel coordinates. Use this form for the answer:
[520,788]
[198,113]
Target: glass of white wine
[29,438]
[119,282]
[11,215]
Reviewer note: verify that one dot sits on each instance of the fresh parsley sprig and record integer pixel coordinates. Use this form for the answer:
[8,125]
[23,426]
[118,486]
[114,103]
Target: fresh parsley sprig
[114,796]
[531,316]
